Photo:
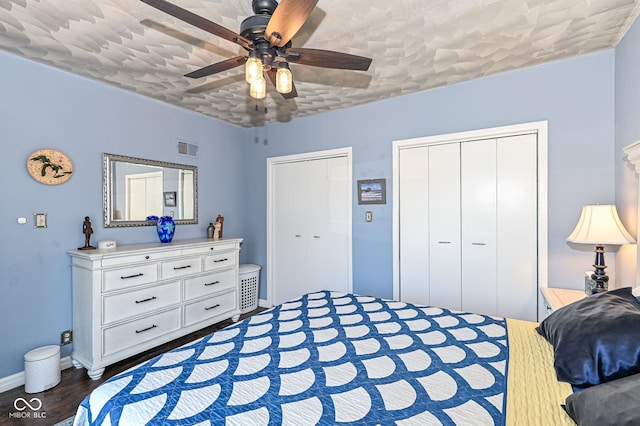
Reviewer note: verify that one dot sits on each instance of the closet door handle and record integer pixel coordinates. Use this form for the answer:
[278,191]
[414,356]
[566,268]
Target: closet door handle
[298,236]
[316,236]
[478,244]
[444,242]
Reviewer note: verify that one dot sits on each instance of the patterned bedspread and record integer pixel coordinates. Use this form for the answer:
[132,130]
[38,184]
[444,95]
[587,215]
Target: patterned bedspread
[326,358]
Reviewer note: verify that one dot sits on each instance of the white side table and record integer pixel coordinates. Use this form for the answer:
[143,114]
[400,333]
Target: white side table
[556,298]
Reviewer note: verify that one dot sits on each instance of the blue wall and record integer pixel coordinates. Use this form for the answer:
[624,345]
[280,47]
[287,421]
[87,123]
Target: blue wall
[42,107]
[576,96]
[627,113]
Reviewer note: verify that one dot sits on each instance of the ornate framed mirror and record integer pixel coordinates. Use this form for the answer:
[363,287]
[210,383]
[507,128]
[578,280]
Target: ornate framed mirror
[135,188]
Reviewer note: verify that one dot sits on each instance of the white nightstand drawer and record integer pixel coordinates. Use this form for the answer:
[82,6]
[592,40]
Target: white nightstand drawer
[126,305]
[208,308]
[180,267]
[209,284]
[116,279]
[133,333]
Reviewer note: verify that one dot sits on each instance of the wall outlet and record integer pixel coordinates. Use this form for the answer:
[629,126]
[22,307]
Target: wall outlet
[66,337]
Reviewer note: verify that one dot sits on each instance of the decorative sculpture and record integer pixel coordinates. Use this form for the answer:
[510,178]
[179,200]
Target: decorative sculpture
[87,230]
[219,220]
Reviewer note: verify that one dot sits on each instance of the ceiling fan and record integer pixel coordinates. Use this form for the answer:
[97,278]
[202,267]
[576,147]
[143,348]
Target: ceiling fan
[266,36]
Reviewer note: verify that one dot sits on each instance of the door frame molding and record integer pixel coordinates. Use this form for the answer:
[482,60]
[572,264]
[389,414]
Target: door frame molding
[307,156]
[538,127]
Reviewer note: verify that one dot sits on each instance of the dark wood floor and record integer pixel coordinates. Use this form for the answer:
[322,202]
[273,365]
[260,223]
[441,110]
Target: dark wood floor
[62,401]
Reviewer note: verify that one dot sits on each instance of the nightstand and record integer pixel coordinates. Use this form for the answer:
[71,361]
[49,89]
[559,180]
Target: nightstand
[556,298]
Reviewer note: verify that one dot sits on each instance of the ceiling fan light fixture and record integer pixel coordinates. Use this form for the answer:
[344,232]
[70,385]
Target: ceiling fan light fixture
[284,79]
[253,67]
[258,88]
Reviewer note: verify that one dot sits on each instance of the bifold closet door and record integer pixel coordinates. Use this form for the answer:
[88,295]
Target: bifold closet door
[290,224]
[328,212]
[311,213]
[499,227]
[430,225]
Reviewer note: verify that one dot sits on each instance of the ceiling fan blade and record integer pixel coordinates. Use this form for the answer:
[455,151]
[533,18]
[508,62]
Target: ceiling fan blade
[328,59]
[217,67]
[292,94]
[198,21]
[287,19]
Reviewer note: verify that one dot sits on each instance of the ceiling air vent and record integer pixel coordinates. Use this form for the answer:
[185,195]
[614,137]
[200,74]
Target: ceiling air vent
[187,148]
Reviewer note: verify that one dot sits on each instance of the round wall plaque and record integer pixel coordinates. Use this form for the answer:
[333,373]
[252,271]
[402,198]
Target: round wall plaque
[49,166]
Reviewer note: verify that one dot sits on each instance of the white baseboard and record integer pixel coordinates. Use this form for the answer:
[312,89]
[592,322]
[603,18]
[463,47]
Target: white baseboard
[263,303]
[15,380]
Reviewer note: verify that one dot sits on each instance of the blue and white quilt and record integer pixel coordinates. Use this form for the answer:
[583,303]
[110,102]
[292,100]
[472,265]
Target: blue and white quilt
[327,358]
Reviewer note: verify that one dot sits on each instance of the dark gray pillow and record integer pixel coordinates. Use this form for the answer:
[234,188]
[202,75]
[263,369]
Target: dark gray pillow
[596,339]
[615,403]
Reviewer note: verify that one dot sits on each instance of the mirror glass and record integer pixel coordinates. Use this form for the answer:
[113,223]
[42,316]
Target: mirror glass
[135,188]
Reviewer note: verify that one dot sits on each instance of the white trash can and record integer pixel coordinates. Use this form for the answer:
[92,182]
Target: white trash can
[249,277]
[41,369]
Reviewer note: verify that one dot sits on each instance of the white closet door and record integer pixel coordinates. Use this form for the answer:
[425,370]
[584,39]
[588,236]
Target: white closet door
[414,225]
[328,213]
[517,227]
[479,252]
[290,222]
[444,226]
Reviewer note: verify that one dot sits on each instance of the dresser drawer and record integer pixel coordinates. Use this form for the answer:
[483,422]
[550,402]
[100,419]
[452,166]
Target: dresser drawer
[138,258]
[213,248]
[209,284]
[219,261]
[118,338]
[115,279]
[125,305]
[180,267]
[208,308]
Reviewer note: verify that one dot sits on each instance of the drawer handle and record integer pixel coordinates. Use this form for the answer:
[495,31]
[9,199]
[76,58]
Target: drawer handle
[478,244]
[146,300]
[213,283]
[177,268]
[211,307]
[220,260]
[132,276]
[146,329]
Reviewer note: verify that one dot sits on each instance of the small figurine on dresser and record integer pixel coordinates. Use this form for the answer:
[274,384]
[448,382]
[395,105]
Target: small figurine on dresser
[217,235]
[87,230]
[210,231]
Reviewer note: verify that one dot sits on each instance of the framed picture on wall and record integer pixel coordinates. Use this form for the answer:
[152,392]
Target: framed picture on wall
[372,191]
[170,199]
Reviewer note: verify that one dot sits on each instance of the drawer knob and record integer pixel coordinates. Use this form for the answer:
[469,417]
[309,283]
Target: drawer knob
[213,283]
[146,329]
[146,257]
[131,276]
[211,307]
[220,260]
[146,300]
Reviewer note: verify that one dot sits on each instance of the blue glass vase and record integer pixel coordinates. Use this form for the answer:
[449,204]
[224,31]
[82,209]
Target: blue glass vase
[166,228]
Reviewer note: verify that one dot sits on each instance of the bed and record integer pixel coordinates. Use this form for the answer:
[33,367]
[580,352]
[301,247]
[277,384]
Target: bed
[334,358]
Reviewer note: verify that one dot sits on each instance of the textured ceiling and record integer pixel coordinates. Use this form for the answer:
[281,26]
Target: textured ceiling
[415,45]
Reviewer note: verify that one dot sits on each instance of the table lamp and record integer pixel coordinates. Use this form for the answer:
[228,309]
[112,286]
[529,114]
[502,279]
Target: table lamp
[600,225]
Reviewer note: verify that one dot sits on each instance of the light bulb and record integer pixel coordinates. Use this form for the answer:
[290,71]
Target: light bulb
[284,79]
[258,88]
[253,67]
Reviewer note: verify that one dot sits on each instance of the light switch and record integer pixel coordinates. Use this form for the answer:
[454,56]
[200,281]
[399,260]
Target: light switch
[39,220]
[368,216]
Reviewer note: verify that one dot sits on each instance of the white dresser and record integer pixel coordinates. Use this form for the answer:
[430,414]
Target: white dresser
[135,297]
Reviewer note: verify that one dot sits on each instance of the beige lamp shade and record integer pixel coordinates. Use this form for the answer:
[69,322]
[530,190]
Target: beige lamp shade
[600,224]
